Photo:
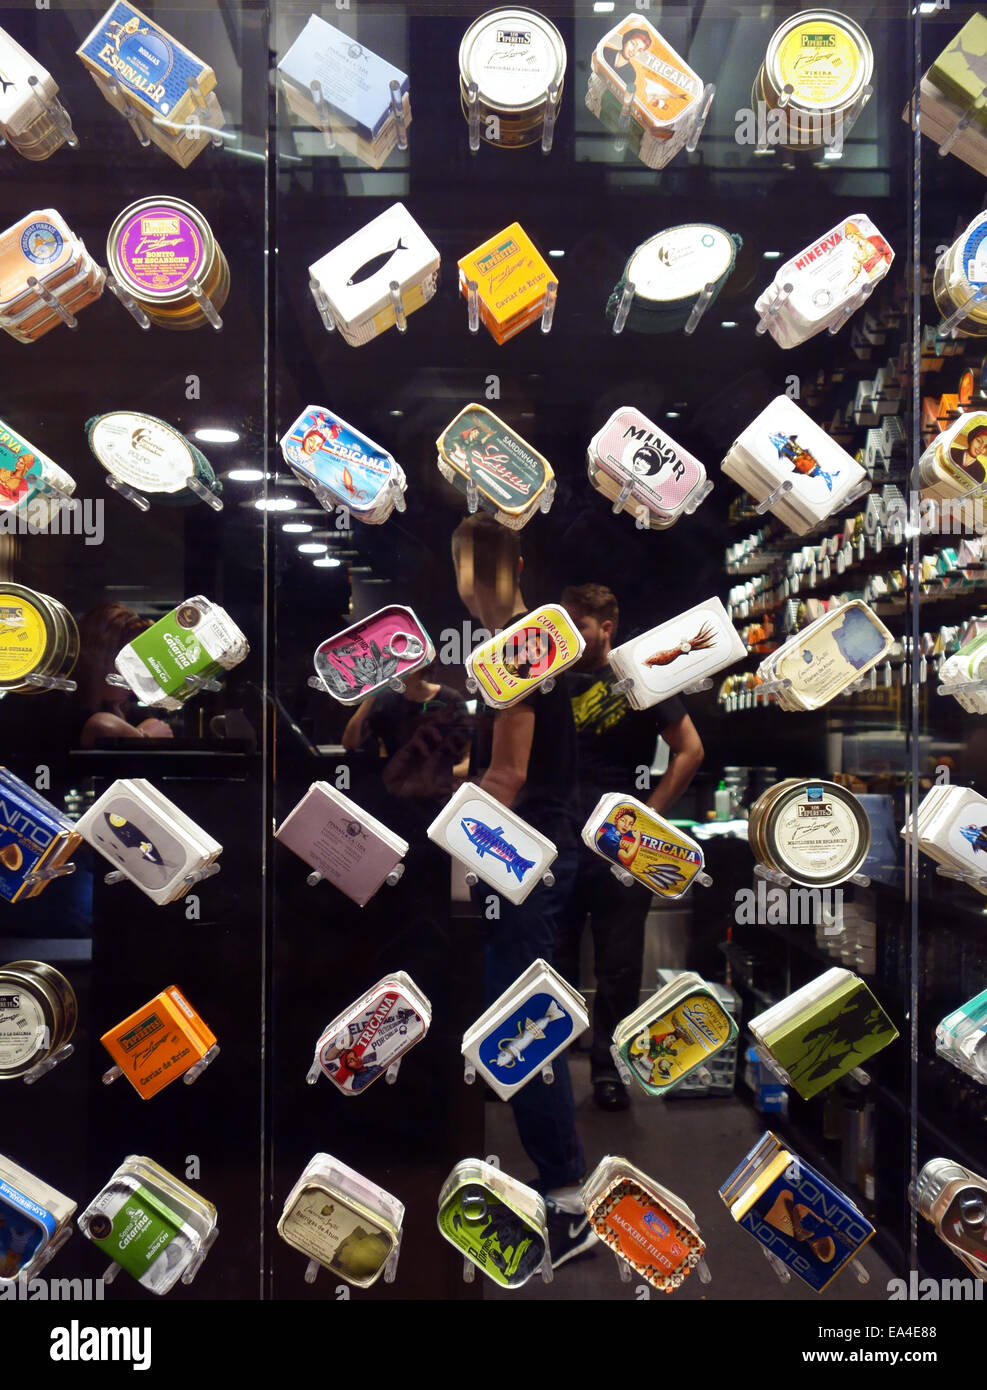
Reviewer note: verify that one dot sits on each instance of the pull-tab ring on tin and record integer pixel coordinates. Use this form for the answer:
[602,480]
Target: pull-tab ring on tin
[474,1204]
[413,647]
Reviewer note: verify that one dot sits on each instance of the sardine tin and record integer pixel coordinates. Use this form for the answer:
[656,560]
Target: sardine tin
[672,1034]
[510,477]
[497,1222]
[638,841]
[365,656]
[32,1214]
[339,1218]
[539,646]
[643,1223]
[631,448]
[323,449]
[364,1040]
[342,842]
[152,67]
[493,842]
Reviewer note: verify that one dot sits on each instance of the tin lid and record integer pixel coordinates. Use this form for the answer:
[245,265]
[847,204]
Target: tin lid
[678,263]
[824,56]
[39,245]
[357,274]
[535,648]
[38,1014]
[816,832]
[511,278]
[157,246]
[29,630]
[325,450]
[479,447]
[514,56]
[365,656]
[330,1219]
[142,451]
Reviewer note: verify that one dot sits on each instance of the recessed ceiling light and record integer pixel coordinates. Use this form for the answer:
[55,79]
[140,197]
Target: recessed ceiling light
[772,255]
[244,475]
[313,548]
[671,414]
[216,436]
[556,253]
[296,527]
[275,504]
[329,563]
[729,323]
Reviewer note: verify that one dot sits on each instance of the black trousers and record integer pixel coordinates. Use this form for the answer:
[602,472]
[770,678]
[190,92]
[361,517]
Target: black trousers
[617,914]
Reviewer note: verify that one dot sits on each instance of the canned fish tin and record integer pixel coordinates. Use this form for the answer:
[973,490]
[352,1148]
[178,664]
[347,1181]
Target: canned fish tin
[150,456]
[38,1014]
[366,1039]
[34,836]
[954,1200]
[357,276]
[674,655]
[960,279]
[195,642]
[38,638]
[342,1221]
[535,1019]
[814,832]
[355,85]
[32,119]
[674,1033]
[630,450]
[643,1223]
[156,249]
[343,467]
[34,1221]
[342,842]
[832,653]
[961,1038]
[372,653]
[156,1228]
[639,842]
[158,1043]
[493,843]
[634,61]
[534,649]
[512,281]
[670,271]
[512,481]
[498,1223]
[812,1227]
[515,57]
[42,247]
[827,61]
[27,478]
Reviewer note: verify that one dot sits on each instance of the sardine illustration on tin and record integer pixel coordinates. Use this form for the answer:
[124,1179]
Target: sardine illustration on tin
[376,263]
[487,840]
[130,836]
[511,1050]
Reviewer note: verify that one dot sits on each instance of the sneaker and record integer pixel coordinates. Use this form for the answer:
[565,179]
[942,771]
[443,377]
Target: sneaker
[570,1236]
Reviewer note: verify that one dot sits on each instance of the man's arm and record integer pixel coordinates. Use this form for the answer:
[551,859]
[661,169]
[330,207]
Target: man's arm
[356,732]
[685,758]
[513,733]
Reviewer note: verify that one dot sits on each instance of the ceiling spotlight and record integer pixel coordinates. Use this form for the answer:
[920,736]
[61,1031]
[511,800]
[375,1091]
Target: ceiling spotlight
[275,504]
[216,436]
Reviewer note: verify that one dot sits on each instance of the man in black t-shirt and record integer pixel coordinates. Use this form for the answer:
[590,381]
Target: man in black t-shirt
[615,744]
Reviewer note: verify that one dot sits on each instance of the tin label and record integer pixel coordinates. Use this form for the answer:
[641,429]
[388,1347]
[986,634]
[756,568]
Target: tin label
[513,60]
[160,249]
[687,648]
[499,1241]
[23,637]
[679,263]
[631,448]
[354,81]
[142,452]
[481,447]
[649,849]
[22,1028]
[366,657]
[134,1229]
[637,1227]
[362,1048]
[510,274]
[672,1045]
[129,48]
[153,1051]
[510,666]
[324,448]
[821,61]
[41,243]
[497,845]
[822,664]
[323,1227]
[818,834]
[127,834]
[966,836]
[20,470]
[186,642]
[633,57]
[24,1228]
[829,272]
[521,1044]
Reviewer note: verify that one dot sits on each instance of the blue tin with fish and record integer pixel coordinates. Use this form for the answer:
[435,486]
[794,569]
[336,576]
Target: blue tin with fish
[342,466]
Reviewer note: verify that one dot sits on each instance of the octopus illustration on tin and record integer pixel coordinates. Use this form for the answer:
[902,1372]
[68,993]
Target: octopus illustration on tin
[802,460]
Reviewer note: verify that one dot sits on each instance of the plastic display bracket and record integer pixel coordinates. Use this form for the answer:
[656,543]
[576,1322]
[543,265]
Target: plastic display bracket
[699,308]
[962,876]
[623,1071]
[548,308]
[322,115]
[706,101]
[624,307]
[46,875]
[322,304]
[46,296]
[42,1068]
[50,683]
[548,120]
[129,303]
[962,124]
[397,111]
[772,497]
[473,108]
[60,118]
[136,499]
[775,307]
[947,328]
[132,116]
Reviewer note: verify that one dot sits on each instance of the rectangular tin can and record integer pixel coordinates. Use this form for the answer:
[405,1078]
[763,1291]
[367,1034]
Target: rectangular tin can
[534,1020]
[512,280]
[159,1042]
[377,1030]
[328,454]
[674,1033]
[643,1223]
[640,842]
[533,649]
[342,842]
[493,842]
[498,1223]
[33,1217]
[366,656]
[154,69]
[342,1220]
[512,479]
[630,448]
[678,653]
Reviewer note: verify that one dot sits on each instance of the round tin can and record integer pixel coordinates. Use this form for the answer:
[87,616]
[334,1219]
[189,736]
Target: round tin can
[514,56]
[156,248]
[825,57]
[670,271]
[960,273]
[38,1014]
[38,637]
[150,455]
[815,832]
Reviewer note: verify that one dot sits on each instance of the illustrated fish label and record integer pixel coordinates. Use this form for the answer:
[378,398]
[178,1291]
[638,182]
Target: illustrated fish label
[508,474]
[520,1045]
[25,1228]
[363,658]
[517,660]
[358,1048]
[153,69]
[674,1043]
[640,842]
[506,1247]
[323,449]
[357,274]
[630,447]
[966,836]
[633,57]
[847,643]
[495,841]
[39,245]
[678,653]
[790,447]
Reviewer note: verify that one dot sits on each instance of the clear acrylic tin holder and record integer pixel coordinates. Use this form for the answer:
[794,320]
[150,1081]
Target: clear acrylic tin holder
[194,683]
[699,308]
[962,876]
[43,1257]
[774,496]
[323,305]
[774,308]
[701,1074]
[51,683]
[323,115]
[627,1274]
[472,879]
[46,875]
[947,328]
[397,111]
[192,1075]
[193,126]
[112,1270]
[849,119]
[628,880]
[859,1269]
[784,97]
[548,119]
[133,117]
[393,878]
[623,309]
[57,113]
[477,1214]
[962,124]
[53,303]
[960,688]
[862,295]
[315,1071]
[705,102]
[783,881]
[48,1064]
[547,1072]
[207,871]
[128,301]
[694,689]
[473,115]
[547,313]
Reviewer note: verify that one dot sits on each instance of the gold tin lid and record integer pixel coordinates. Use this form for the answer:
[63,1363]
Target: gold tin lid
[824,56]
[157,246]
[31,639]
[514,56]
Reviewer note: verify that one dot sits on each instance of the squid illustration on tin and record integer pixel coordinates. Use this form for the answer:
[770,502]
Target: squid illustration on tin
[703,639]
